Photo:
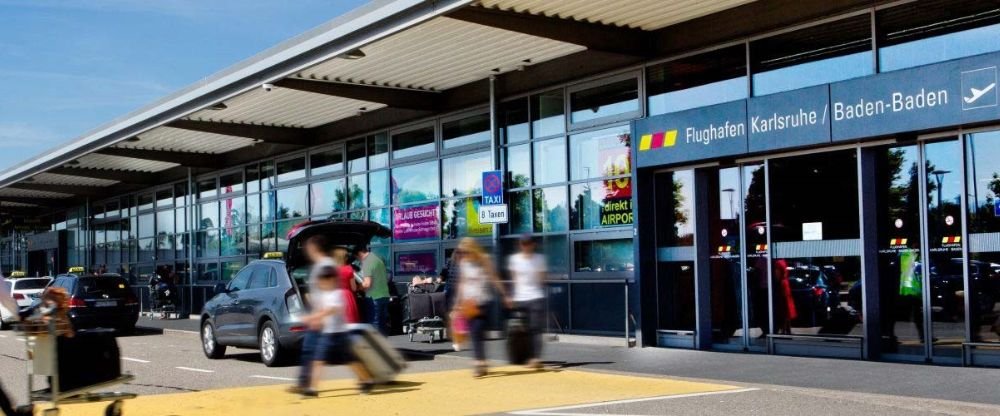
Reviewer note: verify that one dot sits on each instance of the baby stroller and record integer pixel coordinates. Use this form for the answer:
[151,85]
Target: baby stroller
[425,309]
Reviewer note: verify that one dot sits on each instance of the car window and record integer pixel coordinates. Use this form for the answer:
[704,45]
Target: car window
[241,280]
[260,276]
[31,284]
[102,287]
[272,280]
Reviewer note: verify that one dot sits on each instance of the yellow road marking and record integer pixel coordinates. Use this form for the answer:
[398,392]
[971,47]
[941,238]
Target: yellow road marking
[438,393]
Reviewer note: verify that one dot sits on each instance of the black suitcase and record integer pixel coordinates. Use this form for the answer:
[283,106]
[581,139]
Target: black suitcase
[88,358]
[519,343]
[842,321]
[375,353]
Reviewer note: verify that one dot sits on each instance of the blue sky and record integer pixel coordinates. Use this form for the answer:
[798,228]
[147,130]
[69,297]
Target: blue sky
[67,66]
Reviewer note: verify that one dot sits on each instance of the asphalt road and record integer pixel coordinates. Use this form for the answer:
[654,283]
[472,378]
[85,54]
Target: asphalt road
[172,362]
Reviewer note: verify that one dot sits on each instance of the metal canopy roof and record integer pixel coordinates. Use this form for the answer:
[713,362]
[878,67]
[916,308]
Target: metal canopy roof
[413,55]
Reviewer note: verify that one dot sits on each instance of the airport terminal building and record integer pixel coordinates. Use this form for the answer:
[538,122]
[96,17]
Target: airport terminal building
[813,178]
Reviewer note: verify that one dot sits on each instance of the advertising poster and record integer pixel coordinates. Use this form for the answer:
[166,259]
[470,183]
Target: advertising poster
[616,207]
[421,262]
[415,222]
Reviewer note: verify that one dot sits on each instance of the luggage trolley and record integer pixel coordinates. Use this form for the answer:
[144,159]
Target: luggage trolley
[42,341]
[425,311]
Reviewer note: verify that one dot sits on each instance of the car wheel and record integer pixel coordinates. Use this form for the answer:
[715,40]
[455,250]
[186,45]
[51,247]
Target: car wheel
[271,352]
[209,345]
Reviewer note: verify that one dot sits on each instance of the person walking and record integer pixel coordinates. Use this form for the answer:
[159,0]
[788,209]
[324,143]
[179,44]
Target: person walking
[315,249]
[475,293]
[8,303]
[527,269]
[348,285]
[375,282]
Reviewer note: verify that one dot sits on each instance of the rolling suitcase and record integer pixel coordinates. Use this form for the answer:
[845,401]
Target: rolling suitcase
[519,345]
[373,351]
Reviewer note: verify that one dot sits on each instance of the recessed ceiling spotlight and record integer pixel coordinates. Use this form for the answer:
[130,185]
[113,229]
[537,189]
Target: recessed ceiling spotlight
[132,139]
[218,107]
[352,54]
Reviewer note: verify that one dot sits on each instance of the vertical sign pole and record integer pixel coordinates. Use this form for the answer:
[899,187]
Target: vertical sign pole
[494,148]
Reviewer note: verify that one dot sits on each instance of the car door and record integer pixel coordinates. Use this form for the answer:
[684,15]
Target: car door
[227,316]
[249,302]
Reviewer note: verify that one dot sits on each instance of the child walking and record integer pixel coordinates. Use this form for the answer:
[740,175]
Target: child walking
[333,346]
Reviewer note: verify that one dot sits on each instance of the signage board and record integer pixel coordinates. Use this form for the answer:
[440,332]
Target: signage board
[789,119]
[493,214]
[492,187]
[701,133]
[416,222]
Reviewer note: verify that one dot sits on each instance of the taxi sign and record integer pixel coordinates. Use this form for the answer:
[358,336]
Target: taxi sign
[17,273]
[77,269]
[273,255]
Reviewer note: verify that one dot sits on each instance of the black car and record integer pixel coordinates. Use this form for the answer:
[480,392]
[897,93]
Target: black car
[99,300]
[811,294]
[261,306]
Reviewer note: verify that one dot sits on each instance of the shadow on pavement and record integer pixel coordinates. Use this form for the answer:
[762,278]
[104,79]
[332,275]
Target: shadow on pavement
[565,364]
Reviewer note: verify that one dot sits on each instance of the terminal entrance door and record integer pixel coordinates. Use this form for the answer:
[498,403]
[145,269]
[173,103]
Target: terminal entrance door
[921,261]
[675,258]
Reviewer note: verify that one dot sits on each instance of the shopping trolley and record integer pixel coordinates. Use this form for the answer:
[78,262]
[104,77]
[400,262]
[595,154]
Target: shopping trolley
[77,382]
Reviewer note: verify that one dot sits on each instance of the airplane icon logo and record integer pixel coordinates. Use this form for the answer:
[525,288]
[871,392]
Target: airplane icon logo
[982,84]
[977,93]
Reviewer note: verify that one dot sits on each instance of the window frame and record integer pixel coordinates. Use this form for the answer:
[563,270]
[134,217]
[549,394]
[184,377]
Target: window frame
[634,74]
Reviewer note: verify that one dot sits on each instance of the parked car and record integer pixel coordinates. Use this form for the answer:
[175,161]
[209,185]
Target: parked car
[811,294]
[99,300]
[261,306]
[24,290]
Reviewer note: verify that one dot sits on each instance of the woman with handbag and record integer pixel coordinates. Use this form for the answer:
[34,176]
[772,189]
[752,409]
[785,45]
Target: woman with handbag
[475,293]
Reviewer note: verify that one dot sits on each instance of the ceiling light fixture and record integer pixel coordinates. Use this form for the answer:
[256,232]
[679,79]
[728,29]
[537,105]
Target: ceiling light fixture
[73,162]
[132,139]
[218,107]
[352,54]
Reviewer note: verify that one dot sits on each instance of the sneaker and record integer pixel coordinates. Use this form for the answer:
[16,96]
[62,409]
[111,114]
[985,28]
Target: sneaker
[535,364]
[309,393]
[480,371]
[366,388]
[295,389]
[456,347]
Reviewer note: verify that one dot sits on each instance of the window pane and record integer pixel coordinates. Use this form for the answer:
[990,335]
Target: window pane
[467,131]
[416,262]
[164,198]
[291,169]
[253,209]
[208,215]
[416,222]
[520,212]
[268,206]
[206,189]
[550,161]
[601,204]
[326,161]
[232,212]
[415,183]
[146,222]
[514,121]
[378,192]
[519,165]
[710,78]
[328,196]
[604,256]
[232,183]
[378,151]
[937,30]
[292,202]
[460,218]
[462,175]
[600,153]
[357,188]
[253,239]
[233,241]
[619,97]
[253,178]
[548,114]
[357,160]
[817,55]
[180,220]
[413,142]
[267,176]
[550,209]
[164,222]
[382,216]
[145,203]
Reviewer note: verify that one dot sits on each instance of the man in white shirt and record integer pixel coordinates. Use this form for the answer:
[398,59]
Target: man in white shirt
[528,270]
[9,304]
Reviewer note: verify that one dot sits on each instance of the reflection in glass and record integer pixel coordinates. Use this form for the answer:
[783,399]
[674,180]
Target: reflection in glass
[944,245]
[378,151]
[674,192]
[519,166]
[414,183]
[756,248]
[983,181]
[253,209]
[292,202]
[710,78]
[460,176]
[326,161]
[228,184]
[550,209]
[599,154]
[206,189]
[932,31]
[550,161]
[816,271]
[601,204]
[465,132]
[291,169]
[378,188]
[328,196]
[815,55]
[604,256]
[608,100]
[520,212]
[725,272]
[460,218]
[514,121]
[413,143]
[901,293]
[548,114]
[382,216]
[357,190]
[356,156]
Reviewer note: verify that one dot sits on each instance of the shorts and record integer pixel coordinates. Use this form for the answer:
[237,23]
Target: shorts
[333,349]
